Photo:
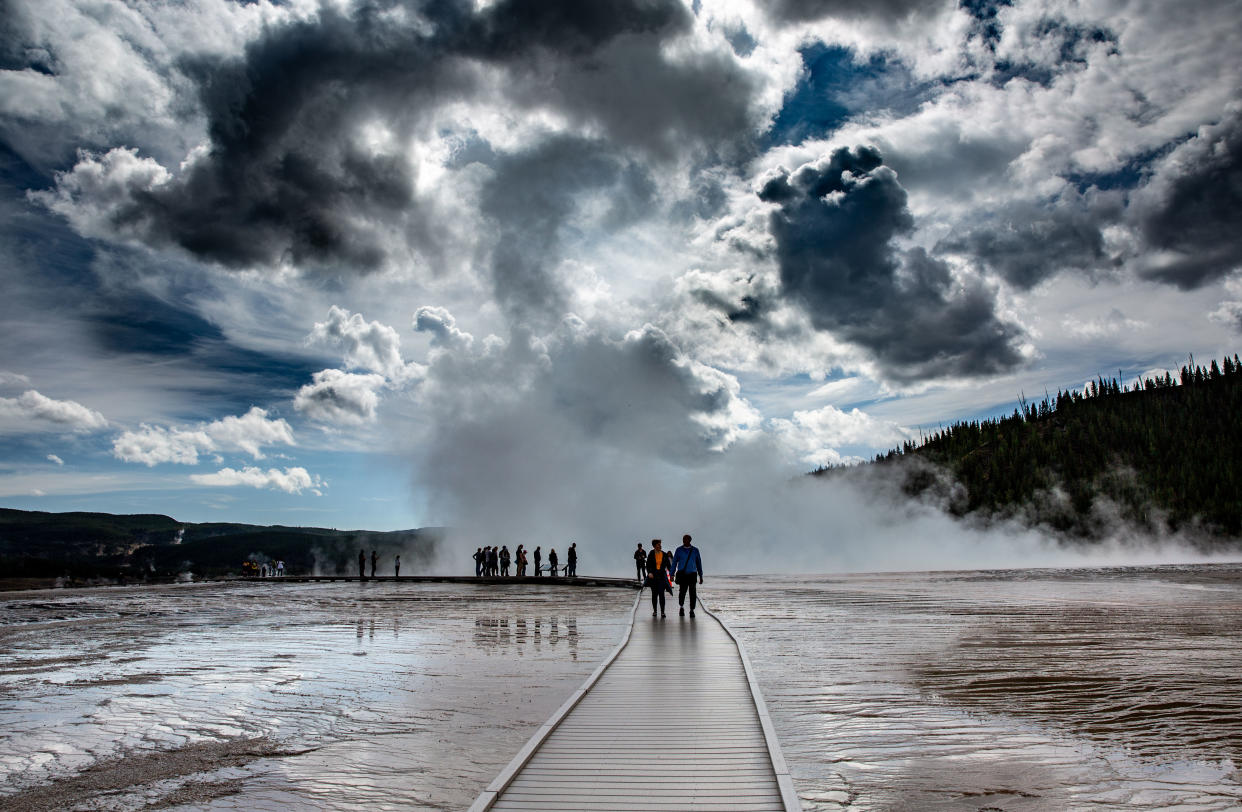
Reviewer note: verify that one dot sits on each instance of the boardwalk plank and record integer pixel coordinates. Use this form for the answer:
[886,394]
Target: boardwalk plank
[673,721]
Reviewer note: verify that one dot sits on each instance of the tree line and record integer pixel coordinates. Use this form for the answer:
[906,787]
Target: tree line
[1165,451]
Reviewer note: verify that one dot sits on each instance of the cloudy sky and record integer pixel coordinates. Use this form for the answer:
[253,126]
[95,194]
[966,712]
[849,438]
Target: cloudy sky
[390,263]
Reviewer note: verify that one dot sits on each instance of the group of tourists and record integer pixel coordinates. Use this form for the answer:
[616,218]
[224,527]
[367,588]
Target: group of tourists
[493,562]
[263,569]
[362,564]
[659,570]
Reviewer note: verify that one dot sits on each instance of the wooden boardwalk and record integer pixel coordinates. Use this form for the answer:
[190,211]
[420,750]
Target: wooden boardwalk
[547,580]
[672,721]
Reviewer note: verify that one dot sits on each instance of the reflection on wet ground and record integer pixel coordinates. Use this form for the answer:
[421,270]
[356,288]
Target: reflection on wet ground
[256,696]
[1111,688]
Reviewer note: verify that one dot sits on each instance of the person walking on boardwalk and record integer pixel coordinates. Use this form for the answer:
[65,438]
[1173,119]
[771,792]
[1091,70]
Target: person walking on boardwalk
[658,568]
[552,563]
[362,564]
[374,561]
[687,568]
[520,558]
[538,558]
[493,561]
[478,562]
[571,561]
[640,562]
[505,559]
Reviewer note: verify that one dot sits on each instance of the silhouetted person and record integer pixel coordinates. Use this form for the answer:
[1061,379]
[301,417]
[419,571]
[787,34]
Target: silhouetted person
[362,564]
[493,561]
[658,564]
[505,559]
[571,560]
[479,558]
[640,562]
[521,561]
[374,560]
[538,558]
[552,562]
[687,569]
[397,567]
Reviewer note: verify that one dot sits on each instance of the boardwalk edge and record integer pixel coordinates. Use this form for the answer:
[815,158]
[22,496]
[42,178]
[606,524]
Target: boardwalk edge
[789,793]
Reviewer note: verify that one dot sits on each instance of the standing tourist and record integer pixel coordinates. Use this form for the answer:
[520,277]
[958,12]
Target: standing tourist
[640,562]
[552,563]
[362,564]
[658,563]
[374,560]
[571,561]
[521,560]
[397,567]
[687,568]
[478,562]
[505,558]
[538,558]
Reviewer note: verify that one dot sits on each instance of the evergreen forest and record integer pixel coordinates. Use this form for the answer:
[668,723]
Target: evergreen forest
[1160,454]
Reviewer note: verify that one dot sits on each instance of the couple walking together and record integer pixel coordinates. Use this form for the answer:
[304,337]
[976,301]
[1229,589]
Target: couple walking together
[684,565]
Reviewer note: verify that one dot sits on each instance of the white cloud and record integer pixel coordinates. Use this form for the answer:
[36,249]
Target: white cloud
[152,445]
[365,344]
[817,435]
[1114,323]
[250,432]
[32,412]
[290,480]
[55,459]
[336,396]
[442,326]
[97,194]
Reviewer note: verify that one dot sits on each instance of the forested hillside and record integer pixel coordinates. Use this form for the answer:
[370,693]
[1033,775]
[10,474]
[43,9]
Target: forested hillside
[85,546]
[1164,453]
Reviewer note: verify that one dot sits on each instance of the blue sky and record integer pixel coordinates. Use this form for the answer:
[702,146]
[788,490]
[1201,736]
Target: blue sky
[391,264]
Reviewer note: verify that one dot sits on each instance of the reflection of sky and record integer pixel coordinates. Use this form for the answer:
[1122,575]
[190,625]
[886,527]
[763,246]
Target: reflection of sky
[1021,690]
[395,690]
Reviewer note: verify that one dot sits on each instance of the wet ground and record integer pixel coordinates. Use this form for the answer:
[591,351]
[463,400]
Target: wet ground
[1081,689]
[278,696]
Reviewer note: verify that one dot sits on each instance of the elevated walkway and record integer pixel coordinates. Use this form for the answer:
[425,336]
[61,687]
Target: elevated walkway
[672,721]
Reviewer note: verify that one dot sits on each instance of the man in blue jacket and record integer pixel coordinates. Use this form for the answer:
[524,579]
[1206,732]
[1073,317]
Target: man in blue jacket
[687,569]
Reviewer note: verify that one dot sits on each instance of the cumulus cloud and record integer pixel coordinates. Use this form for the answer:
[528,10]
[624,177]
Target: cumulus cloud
[364,344]
[292,172]
[440,324]
[816,436]
[1188,214]
[249,433]
[835,223]
[337,396]
[32,411]
[290,480]
[52,458]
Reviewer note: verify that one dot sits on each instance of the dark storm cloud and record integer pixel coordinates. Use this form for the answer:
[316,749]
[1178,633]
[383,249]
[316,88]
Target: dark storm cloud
[1190,212]
[835,225]
[1029,243]
[285,178]
[532,196]
[795,11]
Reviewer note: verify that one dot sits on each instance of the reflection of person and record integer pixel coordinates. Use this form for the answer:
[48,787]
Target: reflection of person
[362,564]
[571,560]
[397,567]
[374,559]
[687,568]
[552,562]
[640,562]
[658,563]
[538,558]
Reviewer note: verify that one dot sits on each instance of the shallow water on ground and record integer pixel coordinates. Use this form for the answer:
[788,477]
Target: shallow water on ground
[1082,689]
[277,696]
[1079,689]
